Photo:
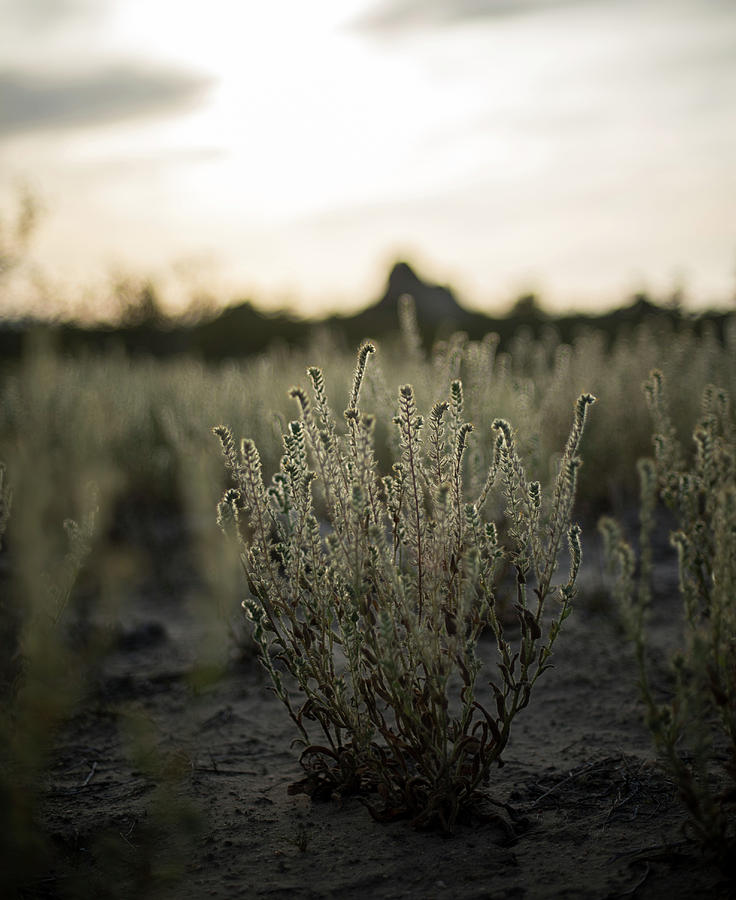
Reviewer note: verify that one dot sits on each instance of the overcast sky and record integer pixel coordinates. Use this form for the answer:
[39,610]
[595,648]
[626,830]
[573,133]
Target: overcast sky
[290,151]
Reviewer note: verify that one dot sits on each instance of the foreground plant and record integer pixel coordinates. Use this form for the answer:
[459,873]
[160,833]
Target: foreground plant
[696,728]
[41,682]
[373,594]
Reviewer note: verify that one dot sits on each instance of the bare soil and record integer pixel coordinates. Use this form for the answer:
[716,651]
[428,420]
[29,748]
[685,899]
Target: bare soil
[199,806]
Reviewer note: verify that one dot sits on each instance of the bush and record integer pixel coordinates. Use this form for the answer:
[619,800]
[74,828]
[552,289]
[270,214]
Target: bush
[374,593]
[696,728]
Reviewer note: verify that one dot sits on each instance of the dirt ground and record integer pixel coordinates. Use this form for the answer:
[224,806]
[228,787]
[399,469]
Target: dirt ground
[200,808]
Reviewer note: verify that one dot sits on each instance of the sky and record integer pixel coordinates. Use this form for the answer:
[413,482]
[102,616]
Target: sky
[289,152]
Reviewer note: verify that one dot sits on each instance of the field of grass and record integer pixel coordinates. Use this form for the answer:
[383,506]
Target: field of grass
[142,753]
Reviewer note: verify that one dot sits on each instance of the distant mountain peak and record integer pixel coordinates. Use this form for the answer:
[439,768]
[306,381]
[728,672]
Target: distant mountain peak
[434,303]
[403,278]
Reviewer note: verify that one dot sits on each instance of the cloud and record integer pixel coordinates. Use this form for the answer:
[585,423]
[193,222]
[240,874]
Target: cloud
[396,15]
[48,15]
[33,102]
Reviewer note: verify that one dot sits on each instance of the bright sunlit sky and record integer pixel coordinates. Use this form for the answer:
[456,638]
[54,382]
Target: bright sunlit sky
[289,151]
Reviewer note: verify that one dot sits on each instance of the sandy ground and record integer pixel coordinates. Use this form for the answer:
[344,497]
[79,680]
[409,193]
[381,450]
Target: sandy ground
[206,812]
